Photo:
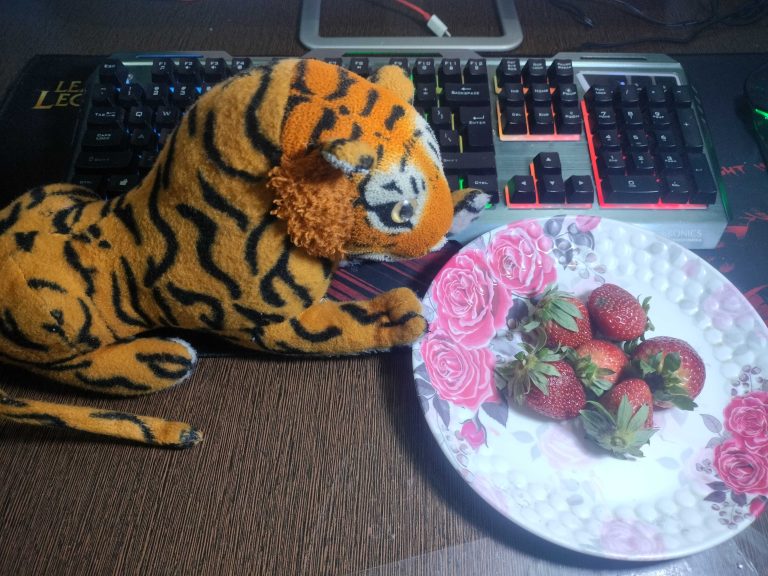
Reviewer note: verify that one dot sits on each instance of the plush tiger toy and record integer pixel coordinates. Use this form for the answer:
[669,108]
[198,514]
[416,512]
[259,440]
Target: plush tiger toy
[269,182]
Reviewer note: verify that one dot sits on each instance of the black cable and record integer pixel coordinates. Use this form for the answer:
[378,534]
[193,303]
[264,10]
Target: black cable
[748,13]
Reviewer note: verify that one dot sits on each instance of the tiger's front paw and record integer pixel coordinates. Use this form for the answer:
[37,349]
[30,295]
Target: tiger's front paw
[403,322]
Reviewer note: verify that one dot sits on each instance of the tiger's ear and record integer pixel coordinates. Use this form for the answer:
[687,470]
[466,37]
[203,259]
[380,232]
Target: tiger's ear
[350,156]
[395,79]
[314,195]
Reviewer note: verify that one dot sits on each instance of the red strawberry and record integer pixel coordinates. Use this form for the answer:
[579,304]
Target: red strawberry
[563,317]
[622,422]
[673,369]
[598,364]
[617,314]
[540,378]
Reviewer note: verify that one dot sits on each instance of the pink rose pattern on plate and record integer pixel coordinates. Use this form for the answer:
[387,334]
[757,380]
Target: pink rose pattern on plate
[739,463]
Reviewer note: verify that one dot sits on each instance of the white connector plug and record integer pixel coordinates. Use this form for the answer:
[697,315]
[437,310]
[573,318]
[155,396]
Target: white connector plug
[437,26]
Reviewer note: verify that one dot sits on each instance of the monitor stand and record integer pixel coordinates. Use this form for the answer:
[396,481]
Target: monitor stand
[511,35]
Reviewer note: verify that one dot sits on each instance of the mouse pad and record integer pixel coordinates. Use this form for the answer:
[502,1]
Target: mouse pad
[39,113]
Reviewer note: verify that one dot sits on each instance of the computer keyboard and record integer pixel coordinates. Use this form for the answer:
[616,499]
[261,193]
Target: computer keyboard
[621,136]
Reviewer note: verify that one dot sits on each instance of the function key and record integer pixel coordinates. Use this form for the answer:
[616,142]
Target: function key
[450,71]
[215,69]
[243,64]
[475,71]
[113,72]
[535,71]
[360,66]
[189,69]
[334,61]
[162,70]
[508,71]
[401,62]
[424,70]
[561,71]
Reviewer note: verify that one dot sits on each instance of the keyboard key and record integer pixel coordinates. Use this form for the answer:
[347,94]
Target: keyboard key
[360,65]
[425,95]
[682,96]
[640,163]
[113,72]
[547,163]
[637,140]
[551,189]
[424,70]
[440,117]
[476,71]
[666,140]
[157,95]
[539,95]
[561,72]
[167,116]
[455,95]
[521,190]
[671,161]
[103,160]
[535,71]
[90,181]
[541,120]
[512,95]
[629,96]
[706,188]
[630,189]
[215,69]
[243,64]
[631,118]
[677,189]
[402,62]
[450,71]
[485,182]
[107,116]
[448,140]
[599,96]
[608,139]
[566,96]
[140,116]
[579,189]
[655,96]
[189,70]
[660,118]
[162,70]
[514,121]
[104,138]
[602,119]
[568,121]
[131,95]
[469,162]
[143,138]
[611,162]
[689,130]
[475,124]
[184,95]
[508,72]
[117,185]
[103,95]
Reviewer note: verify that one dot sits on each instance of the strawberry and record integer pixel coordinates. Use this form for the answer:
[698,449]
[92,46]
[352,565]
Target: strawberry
[622,422]
[541,379]
[563,317]
[617,314]
[598,364]
[673,369]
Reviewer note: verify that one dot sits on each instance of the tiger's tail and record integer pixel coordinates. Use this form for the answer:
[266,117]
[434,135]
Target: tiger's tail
[143,429]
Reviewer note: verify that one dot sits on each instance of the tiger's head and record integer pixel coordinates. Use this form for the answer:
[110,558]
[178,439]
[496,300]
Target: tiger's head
[372,185]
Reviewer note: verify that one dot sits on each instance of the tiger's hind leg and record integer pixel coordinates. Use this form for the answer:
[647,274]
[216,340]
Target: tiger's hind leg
[127,368]
[139,366]
[390,319]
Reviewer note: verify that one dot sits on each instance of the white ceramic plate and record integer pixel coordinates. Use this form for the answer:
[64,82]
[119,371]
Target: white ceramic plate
[704,476]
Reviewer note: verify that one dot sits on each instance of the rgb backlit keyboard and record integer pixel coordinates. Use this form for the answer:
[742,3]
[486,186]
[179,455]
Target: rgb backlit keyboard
[619,136]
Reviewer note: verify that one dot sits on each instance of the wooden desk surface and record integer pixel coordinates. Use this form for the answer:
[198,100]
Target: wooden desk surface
[309,466]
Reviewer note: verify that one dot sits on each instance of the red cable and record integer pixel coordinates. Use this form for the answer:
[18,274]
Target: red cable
[424,14]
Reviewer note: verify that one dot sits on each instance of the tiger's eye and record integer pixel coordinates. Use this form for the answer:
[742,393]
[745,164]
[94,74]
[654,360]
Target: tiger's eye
[402,212]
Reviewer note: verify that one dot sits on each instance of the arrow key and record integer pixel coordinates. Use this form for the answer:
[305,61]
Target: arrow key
[579,190]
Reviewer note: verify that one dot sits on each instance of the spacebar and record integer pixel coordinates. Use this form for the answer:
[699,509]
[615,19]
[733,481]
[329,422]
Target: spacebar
[631,189]
[465,162]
